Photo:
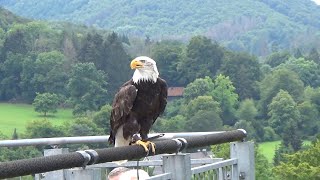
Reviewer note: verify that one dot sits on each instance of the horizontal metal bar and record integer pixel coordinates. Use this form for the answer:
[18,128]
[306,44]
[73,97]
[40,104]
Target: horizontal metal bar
[161,176]
[89,139]
[152,163]
[127,164]
[63,161]
[212,166]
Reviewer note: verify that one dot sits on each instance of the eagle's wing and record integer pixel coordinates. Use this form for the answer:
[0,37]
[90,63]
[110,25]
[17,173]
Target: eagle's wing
[121,107]
[162,98]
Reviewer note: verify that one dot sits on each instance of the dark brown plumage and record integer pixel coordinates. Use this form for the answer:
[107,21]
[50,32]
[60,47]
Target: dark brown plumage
[135,108]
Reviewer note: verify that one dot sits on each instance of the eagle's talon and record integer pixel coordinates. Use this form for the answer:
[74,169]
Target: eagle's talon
[146,145]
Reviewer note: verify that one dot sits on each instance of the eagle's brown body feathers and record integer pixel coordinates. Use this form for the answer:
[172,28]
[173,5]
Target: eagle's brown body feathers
[136,107]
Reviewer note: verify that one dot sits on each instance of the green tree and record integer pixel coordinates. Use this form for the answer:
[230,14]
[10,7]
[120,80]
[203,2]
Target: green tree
[199,87]
[285,119]
[10,70]
[313,95]
[277,58]
[204,58]
[262,167]
[87,87]
[46,102]
[244,72]
[314,55]
[168,54]
[115,63]
[203,114]
[43,72]
[43,129]
[307,70]
[279,79]
[248,112]
[83,126]
[297,53]
[15,42]
[301,165]
[309,115]
[102,118]
[174,124]
[224,93]
[52,66]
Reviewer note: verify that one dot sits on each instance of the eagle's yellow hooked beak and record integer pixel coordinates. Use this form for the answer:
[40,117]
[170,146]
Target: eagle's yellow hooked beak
[136,64]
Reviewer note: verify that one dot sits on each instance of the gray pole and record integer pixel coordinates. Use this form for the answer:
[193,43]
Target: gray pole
[52,175]
[244,152]
[179,165]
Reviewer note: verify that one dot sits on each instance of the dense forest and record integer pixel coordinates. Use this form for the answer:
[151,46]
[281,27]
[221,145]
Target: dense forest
[276,97]
[255,26]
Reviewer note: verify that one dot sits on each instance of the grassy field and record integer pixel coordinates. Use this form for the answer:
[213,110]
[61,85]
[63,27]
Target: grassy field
[268,148]
[18,115]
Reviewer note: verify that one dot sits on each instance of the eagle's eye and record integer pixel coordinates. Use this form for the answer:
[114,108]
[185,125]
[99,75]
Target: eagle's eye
[143,61]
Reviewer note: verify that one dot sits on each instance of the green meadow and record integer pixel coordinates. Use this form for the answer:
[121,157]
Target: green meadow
[19,115]
[268,148]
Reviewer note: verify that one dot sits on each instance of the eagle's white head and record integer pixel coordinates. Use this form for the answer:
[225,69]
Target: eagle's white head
[145,69]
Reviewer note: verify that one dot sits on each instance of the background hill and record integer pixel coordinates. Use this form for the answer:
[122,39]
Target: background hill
[257,26]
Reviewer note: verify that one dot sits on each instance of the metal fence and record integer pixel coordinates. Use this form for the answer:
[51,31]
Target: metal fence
[176,166]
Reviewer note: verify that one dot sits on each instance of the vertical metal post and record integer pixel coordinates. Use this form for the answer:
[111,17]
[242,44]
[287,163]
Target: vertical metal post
[179,165]
[244,152]
[87,174]
[53,175]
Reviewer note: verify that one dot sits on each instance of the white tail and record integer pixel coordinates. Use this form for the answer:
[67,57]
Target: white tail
[121,141]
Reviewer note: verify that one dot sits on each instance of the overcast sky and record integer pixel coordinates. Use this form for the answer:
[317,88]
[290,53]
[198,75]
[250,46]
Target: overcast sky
[317,1]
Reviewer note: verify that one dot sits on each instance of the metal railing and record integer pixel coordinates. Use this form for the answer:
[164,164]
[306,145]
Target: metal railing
[90,139]
[174,166]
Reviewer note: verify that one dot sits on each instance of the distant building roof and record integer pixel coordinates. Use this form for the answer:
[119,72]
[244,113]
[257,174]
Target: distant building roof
[175,91]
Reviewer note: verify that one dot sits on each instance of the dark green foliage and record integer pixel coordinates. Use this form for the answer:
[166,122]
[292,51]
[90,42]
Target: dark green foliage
[46,102]
[10,71]
[300,165]
[314,55]
[308,70]
[174,124]
[297,53]
[244,72]
[285,119]
[224,94]
[83,127]
[15,134]
[116,63]
[279,79]
[168,54]
[203,114]
[102,118]
[277,58]
[204,58]
[43,129]
[15,43]
[262,166]
[87,87]
[253,26]
[310,124]
[199,87]
[269,134]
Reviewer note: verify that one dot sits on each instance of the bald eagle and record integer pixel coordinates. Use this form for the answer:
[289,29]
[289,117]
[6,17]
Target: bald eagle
[138,104]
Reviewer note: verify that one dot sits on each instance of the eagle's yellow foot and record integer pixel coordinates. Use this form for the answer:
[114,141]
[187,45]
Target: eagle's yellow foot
[146,145]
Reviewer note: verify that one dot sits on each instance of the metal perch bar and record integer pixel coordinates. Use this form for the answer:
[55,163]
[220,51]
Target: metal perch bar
[83,158]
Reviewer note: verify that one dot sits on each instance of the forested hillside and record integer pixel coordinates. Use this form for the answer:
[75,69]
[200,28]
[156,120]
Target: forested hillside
[255,26]
[276,97]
